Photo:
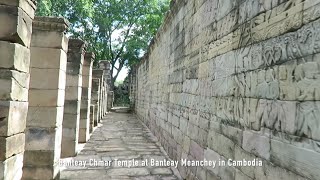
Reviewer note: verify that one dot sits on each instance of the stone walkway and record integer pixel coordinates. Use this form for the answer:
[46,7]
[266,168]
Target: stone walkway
[121,148]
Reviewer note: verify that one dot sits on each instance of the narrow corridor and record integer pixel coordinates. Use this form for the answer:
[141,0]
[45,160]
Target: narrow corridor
[127,144]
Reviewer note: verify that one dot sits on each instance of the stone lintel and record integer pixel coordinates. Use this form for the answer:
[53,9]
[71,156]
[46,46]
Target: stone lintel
[96,85]
[97,73]
[89,56]
[77,46]
[104,65]
[48,23]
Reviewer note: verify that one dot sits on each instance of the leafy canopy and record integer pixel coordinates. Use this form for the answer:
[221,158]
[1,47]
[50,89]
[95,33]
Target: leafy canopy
[116,30]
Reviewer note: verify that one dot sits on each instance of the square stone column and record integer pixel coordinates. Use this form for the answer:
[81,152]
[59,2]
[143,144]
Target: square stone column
[110,100]
[95,99]
[71,119]
[15,36]
[103,100]
[92,118]
[46,98]
[105,95]
[86,98]
[98,73]
[107,86]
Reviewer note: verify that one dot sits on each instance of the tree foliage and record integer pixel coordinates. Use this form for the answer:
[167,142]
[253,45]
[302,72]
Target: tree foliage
[116,30]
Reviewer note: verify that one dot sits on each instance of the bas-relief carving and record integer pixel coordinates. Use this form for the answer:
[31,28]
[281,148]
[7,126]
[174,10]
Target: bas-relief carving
[281,49]
[223,45]
[227,24]
[209,12]
[308,124]
[237,112]
[224,65]
[312,11]
[249,9]
[290,117]
[272,23]
[299,79]
[277,115]
[249,58]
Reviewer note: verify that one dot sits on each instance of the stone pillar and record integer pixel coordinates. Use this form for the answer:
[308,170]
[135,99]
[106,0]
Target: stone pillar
[110,100]
[92,118]
[46,98]
[15,36]
[86,98]
[102,96]
[98,73]
[105,99]
[105,66]
[95,95]
[70,132]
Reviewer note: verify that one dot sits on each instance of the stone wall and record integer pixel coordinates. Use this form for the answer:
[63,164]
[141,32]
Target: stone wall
[236,79]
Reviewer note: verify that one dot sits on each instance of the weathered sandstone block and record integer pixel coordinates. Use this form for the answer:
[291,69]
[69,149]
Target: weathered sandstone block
[16,25]
[14,56]
[256,144]
[55,78]
[45,116]
[27,5]
[13,117]
[46,98]
[11,145]
[38,139]
[14,85]
[54,58]
[299,160]
[11,168]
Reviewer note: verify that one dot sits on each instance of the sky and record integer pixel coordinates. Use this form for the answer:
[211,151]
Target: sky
[123,73]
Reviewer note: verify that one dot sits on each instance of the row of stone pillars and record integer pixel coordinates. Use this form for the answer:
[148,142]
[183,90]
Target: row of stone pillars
[51,97]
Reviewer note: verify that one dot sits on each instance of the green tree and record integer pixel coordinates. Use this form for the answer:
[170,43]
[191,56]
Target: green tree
[116,30]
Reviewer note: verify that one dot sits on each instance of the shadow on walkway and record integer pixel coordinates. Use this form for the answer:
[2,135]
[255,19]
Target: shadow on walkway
[121,148]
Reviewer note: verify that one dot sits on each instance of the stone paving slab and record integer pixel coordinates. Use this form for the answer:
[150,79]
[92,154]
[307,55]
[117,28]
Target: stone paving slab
[118,150]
